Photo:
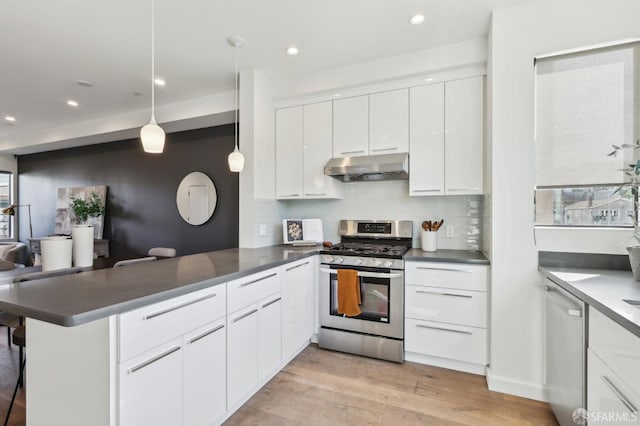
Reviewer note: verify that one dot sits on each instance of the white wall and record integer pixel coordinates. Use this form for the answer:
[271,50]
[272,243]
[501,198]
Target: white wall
[518,34]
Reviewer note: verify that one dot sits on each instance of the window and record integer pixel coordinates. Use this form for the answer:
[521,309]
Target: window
[585,103]
[6,220]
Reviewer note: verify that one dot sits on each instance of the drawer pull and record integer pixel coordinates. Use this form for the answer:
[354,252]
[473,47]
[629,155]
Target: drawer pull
[427,190]
[443,329]
[319,194]
[395,148]
[352,152]
[152,360]
[289,195]
[241,317]
[297,266]
[272,302]
[444,294]
[620,395]
[463,189]
[429,268]
[205,334]
[258,280]
[180,306]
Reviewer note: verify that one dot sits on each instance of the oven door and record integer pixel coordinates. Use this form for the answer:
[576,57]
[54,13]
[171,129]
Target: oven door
[382,295]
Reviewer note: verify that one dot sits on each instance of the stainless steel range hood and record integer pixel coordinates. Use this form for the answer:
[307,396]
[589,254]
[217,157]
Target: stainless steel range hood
[369,168]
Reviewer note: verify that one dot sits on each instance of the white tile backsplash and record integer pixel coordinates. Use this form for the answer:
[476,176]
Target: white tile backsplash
[390,200]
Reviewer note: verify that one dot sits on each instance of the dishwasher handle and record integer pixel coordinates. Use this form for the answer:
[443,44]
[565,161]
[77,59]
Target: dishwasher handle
[555,297]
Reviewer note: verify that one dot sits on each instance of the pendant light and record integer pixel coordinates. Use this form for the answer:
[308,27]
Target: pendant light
[152,135]
[236,159]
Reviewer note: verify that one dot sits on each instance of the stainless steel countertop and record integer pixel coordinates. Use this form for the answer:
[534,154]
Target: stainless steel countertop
[602,289]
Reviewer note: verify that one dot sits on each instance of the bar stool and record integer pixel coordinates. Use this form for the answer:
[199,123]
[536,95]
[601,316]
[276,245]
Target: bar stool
[20,340]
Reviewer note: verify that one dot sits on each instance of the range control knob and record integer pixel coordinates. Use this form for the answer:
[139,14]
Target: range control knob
[388,264]
[328,259]
[377,262]
[358,261]
[339,260]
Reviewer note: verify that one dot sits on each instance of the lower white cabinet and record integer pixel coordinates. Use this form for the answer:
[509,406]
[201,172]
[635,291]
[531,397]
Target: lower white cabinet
[151,387]
[242,354]
[204,374]
[298,305]
[269,336]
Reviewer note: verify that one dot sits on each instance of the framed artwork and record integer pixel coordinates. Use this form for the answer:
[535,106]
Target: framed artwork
[63,212]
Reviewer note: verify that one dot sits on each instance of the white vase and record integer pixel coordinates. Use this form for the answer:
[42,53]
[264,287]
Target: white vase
[56,253]
[429,240]
[82,236]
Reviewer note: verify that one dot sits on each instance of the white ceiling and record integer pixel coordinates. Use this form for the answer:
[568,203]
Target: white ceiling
[46,46]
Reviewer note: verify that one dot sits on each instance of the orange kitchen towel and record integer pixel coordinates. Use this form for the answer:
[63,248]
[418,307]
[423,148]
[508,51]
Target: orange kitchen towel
[349,293]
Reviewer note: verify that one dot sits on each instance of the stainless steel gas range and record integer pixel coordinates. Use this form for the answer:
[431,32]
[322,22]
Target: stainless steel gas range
[373,248]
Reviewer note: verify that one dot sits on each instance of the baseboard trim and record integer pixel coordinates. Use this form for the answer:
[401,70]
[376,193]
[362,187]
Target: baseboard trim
[516,387]
[445,363]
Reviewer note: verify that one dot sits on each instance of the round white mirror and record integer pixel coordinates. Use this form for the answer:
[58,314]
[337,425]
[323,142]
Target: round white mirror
[196,198]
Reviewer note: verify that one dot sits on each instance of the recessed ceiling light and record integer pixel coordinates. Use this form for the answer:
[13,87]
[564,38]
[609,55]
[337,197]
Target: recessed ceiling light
[10,119]
[292,50]
[416,19]
[428,79]
[336,95]
[159,82]
[84,83]
[72,103]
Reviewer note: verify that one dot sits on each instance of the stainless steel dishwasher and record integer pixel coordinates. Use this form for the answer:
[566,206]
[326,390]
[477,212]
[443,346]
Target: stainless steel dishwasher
[565,337]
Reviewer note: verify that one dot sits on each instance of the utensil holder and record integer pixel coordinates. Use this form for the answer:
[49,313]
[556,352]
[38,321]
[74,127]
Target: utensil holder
[429,240]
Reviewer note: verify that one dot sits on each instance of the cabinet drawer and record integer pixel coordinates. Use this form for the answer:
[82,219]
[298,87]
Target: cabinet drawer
[455,342]
[248,290]
[145,328]
[617,347]
[447,275]
[608,395]
[446,305]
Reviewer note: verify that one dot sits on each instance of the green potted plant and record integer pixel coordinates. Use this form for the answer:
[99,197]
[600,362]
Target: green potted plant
[632,171]
[83,209]
[82,233]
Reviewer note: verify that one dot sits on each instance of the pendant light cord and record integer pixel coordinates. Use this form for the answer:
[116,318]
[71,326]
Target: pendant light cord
[235,76]
[153,60]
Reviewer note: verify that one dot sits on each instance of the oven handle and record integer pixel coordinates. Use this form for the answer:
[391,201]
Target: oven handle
[365,274]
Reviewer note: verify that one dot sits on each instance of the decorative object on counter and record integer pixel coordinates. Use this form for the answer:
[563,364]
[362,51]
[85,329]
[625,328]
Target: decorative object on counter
[632,171]
[236,158]
[196,198]
[11,211]
[65,213]
[56,253]
[162,251]
[82,233]
[302,231]
[152,135]
[429,236]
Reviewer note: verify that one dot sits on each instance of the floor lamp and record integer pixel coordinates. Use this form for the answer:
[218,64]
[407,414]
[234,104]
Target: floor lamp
[11,211]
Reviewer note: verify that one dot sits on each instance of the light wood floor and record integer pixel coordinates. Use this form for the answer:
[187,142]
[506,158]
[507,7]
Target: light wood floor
[329,388]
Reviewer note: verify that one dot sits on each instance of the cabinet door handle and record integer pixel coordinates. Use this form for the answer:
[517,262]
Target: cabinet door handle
[463,189]
[289,195]
[395,148]
[258,280]
[205,334]
[427,190]
[241,317]
[444,294]
[319,194]
[352,152]
[297,266]
[443,329]
[175,308]
[272,302]
[619,394]
[444,269]
[152,360]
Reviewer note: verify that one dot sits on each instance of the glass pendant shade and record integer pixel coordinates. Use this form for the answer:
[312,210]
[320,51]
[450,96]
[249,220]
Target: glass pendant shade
[236,161]
[152,137]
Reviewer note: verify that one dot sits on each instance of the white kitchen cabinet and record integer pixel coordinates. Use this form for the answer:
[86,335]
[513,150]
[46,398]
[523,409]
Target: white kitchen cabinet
[303,147]
[317,150]
[464,136]
[426,159]
[351,126]
[447,138]
[151,387]
[289,153]
[269,336]
[446,315]
[389,122]
[298,306]
[204,368]
[242,354]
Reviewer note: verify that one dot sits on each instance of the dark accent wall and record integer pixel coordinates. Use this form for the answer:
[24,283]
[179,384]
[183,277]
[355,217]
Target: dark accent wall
[141,190]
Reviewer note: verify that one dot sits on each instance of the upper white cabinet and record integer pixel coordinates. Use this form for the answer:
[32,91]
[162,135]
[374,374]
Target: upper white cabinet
[351,126]
[303,147]
[447,138]
[389,122]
